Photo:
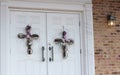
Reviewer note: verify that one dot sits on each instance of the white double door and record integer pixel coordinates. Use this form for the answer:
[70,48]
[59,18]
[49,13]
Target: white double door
[48,26]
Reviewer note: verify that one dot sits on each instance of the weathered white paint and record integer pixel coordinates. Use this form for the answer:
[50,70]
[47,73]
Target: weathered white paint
[87,43]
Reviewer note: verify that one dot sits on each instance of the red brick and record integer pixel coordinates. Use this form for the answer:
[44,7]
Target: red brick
[107,39]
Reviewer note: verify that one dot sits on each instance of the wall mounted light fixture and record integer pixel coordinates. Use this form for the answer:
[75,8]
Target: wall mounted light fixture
[111,19]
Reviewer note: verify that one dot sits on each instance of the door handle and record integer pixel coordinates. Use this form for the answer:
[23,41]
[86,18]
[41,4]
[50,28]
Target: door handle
[52,54]
[43,49]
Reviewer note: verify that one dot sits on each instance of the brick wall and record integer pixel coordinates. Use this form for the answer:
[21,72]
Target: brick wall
[107,39]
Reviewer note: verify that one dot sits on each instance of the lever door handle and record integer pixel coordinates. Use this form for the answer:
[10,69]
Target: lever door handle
[43,49]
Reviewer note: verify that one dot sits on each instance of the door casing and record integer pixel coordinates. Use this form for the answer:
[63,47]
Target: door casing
[86,29]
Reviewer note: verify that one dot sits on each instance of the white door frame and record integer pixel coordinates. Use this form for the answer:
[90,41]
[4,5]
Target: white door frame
[86,29]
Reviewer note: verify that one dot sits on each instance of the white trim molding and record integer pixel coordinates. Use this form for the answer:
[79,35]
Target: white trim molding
[3,37]
[90,64]
[45,6]
[86,29]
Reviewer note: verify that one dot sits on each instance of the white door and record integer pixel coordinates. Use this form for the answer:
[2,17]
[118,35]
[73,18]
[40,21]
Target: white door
[48,26]
[21,62]
[56,23]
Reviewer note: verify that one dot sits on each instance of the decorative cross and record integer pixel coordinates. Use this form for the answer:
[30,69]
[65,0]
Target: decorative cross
[29,38]
[64,42]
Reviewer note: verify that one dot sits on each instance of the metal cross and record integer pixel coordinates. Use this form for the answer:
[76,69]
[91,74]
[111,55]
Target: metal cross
[29,38]
[64,42]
